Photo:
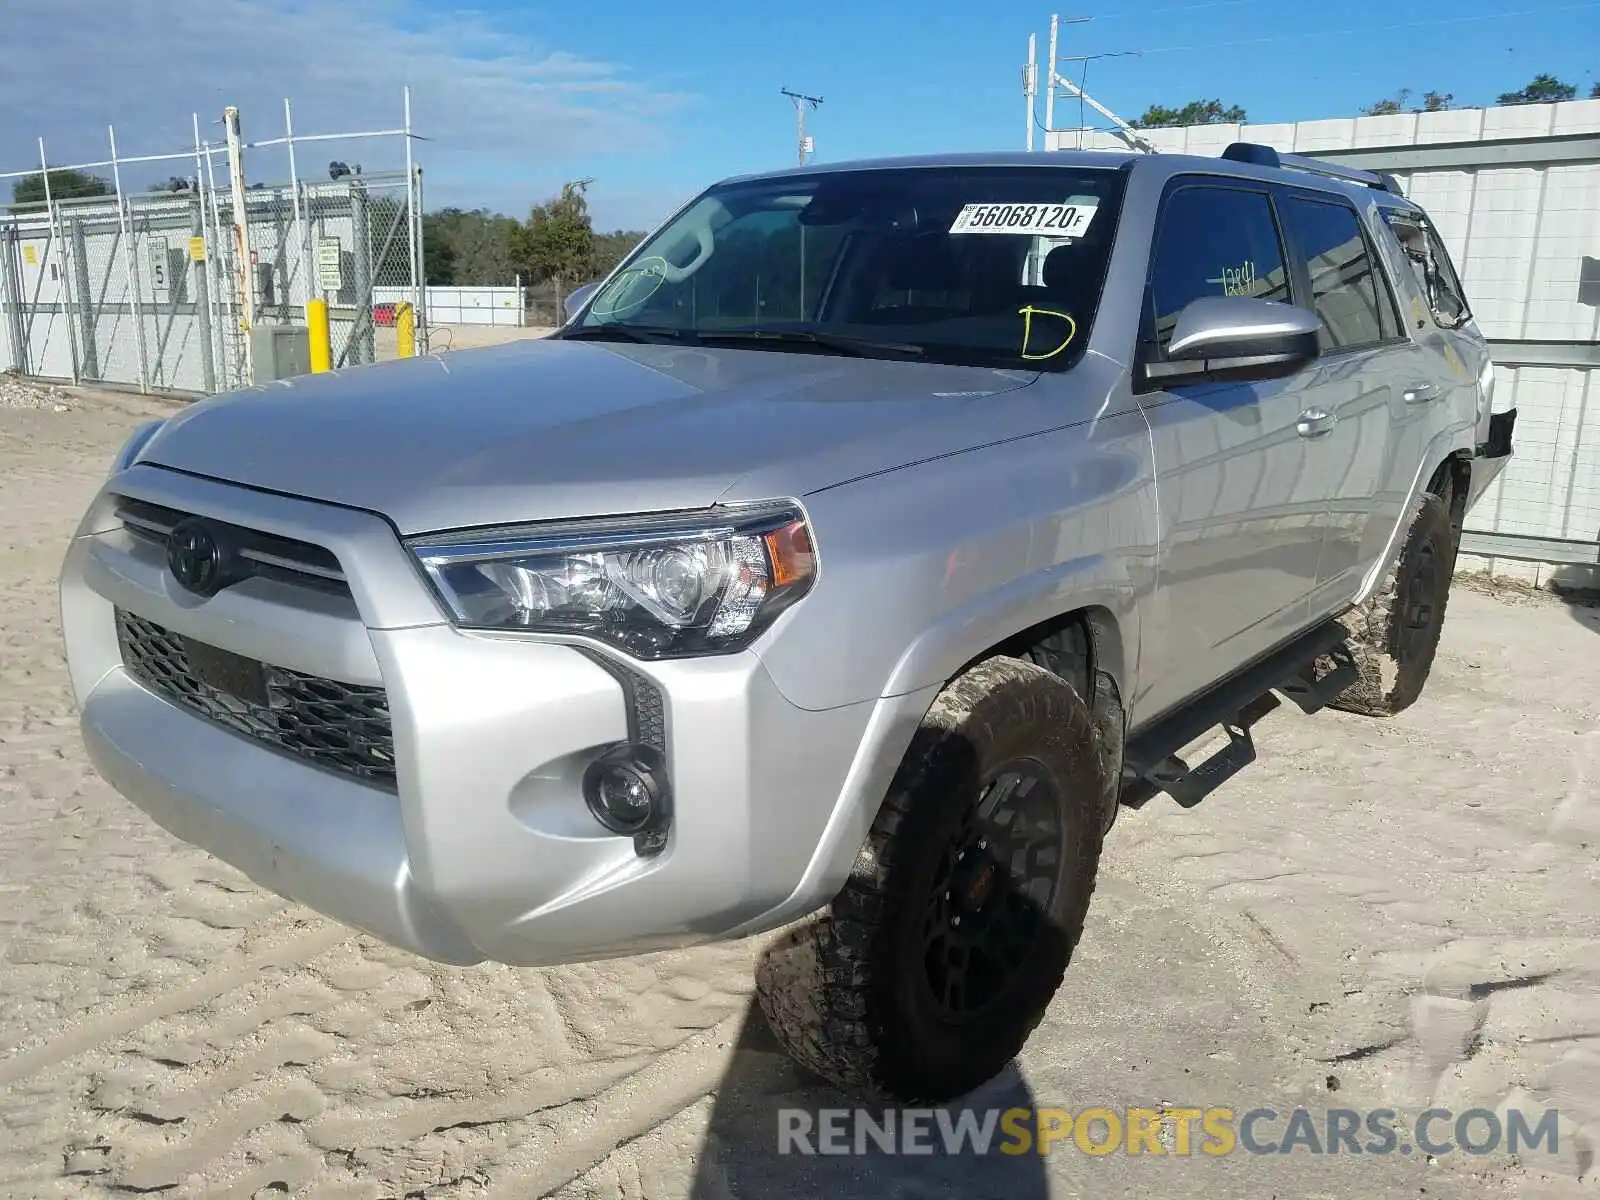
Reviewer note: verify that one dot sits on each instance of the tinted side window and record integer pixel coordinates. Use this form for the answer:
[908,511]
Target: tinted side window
[1349,293]
[1213,241]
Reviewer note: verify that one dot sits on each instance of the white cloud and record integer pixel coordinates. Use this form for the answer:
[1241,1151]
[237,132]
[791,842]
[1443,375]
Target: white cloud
[508,117]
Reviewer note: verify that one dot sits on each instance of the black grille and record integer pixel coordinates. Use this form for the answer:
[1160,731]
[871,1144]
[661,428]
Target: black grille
[266,555]
[343,727]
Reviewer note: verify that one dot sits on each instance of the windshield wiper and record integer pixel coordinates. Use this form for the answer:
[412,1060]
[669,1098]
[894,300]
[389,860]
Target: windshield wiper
[651,334]
[860,347]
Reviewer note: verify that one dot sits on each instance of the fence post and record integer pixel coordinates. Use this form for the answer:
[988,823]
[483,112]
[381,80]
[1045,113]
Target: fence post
[131,262]
[302,222]
[319,334]
[199,268]
[220,306]
[359,348]
[57,245]
[243,269]
[87,318]
[11,298]
[414,221]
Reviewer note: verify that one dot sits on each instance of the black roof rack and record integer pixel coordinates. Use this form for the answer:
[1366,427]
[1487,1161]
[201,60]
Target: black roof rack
[1266,156]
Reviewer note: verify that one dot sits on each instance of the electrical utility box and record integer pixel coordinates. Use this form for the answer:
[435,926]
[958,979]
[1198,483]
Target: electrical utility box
[280,351]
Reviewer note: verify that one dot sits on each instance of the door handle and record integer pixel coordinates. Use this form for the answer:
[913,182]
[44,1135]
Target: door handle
[1314,422]
[1421,393]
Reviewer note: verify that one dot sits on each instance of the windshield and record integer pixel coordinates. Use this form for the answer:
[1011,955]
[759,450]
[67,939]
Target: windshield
[987,266]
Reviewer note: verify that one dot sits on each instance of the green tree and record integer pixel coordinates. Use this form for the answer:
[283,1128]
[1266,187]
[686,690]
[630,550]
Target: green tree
[611,248]
[557,241]
[1196,112]
[1388,107]
[1594,92]
[64,185]
[438,252]
[1542,89]
[1431,102]
[468,247]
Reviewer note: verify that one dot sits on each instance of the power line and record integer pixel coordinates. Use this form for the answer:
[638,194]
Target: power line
[1150,12]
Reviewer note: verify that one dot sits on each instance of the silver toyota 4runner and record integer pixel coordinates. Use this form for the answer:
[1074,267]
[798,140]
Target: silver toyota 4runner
[856,547]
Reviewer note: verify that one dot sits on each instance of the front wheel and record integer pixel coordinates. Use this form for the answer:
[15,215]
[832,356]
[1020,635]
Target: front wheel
[931,968]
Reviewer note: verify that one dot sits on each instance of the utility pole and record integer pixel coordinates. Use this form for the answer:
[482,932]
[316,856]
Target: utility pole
[800,102]
[1030,85]
[1054,79]
[1050,83]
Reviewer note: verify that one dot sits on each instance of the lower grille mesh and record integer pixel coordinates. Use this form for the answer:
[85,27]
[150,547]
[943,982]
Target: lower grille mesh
[343,727]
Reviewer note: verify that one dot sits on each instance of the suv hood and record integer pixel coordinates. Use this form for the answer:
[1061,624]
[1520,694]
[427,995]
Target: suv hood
[547,429]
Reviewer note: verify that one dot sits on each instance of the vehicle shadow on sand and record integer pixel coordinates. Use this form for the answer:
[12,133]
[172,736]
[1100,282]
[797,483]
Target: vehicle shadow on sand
[763,1093]
[1578,589]
[1584,607]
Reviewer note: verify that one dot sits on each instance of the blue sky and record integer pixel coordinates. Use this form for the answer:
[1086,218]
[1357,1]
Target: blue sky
[654,99]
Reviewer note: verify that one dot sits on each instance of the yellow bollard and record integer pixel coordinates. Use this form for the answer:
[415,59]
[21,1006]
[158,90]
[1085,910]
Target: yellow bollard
[321,339]
[405,330]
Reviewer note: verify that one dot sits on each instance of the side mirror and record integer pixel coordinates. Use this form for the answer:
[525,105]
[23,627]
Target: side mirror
[1235,338]
[576,299]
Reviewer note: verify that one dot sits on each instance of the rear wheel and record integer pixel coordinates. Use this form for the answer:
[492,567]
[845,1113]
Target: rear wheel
[1395,634]
[928,972]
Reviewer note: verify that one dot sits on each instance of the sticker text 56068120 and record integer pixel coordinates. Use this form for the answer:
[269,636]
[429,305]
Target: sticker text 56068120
[1036,220]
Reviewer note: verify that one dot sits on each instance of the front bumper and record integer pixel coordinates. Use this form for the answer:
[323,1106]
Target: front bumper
[1491,455]
[484,848]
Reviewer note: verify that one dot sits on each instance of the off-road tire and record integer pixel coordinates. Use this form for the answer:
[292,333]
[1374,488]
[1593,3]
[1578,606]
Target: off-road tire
[850,993]
[1395,634]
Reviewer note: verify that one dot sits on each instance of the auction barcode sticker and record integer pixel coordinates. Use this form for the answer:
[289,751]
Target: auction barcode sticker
[1048,220]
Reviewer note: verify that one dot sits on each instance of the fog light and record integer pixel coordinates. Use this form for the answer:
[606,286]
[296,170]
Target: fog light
[626,790]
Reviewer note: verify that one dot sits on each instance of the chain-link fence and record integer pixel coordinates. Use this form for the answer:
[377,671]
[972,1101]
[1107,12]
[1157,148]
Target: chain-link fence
[155,290]
[543,303]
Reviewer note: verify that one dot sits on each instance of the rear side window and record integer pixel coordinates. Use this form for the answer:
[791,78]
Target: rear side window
[1213,241]
[1436,274]
[1349,293]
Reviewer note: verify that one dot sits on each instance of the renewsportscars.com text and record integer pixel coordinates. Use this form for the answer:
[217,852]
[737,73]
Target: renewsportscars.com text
[1164,1131]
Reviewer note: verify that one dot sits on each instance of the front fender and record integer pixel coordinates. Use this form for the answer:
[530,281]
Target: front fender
[1097,581]
[923,569]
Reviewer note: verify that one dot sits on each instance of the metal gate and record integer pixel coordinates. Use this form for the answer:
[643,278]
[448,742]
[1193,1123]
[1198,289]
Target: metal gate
[145,292]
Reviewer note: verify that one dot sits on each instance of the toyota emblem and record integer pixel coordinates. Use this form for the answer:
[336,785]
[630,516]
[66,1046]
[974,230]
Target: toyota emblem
[194,558]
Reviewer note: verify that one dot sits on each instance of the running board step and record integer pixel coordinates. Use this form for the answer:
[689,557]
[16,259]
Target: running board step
[1190,785]
[1312,692]
[1151,764]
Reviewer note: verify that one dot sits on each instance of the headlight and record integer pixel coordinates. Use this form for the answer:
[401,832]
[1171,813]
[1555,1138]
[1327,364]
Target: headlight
[134,446]
[657,587]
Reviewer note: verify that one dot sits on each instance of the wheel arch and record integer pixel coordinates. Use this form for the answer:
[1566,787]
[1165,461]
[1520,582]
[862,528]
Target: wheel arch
[1444,470]
[1451,481]
[1085,647]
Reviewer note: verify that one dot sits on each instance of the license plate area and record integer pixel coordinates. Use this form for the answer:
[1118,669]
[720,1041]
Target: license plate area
[229,673]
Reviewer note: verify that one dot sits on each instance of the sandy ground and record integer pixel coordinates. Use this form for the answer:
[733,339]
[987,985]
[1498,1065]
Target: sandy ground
[444,338]
[1396,914]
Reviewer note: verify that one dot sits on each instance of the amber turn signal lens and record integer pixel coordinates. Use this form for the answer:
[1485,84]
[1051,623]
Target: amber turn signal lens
[789,548]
